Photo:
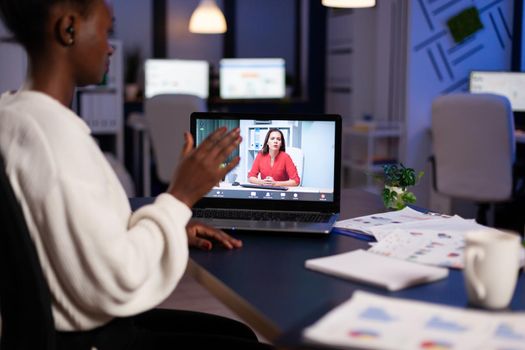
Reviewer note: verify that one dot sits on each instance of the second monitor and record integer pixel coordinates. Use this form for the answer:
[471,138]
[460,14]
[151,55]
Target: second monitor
[252,78]
[173,76]
[508,84]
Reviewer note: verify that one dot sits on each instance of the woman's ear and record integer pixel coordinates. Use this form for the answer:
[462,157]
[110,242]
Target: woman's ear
[65,29]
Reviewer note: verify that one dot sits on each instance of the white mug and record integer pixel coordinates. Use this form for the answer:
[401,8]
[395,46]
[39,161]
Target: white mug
[492,260]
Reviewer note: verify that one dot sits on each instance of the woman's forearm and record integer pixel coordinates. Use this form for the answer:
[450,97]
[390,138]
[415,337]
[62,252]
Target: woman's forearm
[290,183]
[255,180]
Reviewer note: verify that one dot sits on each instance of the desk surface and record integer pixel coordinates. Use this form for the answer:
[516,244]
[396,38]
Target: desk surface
[266,283]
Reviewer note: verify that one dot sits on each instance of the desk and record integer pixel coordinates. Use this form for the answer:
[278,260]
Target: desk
[267,285]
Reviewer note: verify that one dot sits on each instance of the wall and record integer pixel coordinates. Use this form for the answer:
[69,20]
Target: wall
[365,76]
[319,162]
[133,32]
[339,54]
[350,63]
[364,67]
[263,29]
[133,25]
[257,23]
[365,61]
[13,63]
[185,45]
[437,65]
[523,40]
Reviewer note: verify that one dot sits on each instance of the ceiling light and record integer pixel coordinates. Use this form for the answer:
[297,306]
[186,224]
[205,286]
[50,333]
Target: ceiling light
[207,19]
[349,3]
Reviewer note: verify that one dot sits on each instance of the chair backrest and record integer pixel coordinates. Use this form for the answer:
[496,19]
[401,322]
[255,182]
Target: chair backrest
[297,156]
[167,117]
[25,303]
[474,146]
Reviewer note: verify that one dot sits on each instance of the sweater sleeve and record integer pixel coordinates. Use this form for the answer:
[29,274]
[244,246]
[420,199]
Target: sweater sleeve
[100,260]
[107,266]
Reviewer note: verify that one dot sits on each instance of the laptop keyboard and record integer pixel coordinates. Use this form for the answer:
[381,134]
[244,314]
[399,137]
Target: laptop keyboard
[260,215]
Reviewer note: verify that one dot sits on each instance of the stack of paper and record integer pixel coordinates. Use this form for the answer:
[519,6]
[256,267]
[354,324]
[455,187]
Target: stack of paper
[410,235]
[362,266]
[365,224]
[374,322]
[438,242]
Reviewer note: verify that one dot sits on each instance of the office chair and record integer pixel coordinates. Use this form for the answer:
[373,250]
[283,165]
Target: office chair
[25,302]
[167,117]
[474,148]
[297,156]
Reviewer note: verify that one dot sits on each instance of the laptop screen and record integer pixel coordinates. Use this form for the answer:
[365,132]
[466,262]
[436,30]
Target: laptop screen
[305,150]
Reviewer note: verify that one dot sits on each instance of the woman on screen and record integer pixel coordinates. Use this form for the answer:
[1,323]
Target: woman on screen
[273,164]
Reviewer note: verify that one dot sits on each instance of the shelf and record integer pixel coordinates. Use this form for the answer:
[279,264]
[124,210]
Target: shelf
[370,146]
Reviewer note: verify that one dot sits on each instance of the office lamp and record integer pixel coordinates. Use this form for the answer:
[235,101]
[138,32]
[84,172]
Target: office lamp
[207,19]
[349,3]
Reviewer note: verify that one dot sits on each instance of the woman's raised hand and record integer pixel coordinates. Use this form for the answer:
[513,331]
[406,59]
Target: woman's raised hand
[200,168]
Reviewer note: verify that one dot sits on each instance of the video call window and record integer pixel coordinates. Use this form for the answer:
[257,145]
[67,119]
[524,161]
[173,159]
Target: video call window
[172,76]
[310,144]
[252,78]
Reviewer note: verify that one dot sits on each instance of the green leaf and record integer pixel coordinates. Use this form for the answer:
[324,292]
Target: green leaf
[389,197]
[408,197]
[400,205]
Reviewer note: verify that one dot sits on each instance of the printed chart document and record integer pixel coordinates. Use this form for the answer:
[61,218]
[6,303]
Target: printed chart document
[438,242]
[446,224]
[375,269]
[364,224]
[375,322]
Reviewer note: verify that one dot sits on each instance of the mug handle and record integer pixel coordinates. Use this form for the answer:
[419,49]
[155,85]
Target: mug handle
[473,254]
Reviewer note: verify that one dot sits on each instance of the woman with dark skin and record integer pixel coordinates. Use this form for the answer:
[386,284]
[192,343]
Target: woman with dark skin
[105,266]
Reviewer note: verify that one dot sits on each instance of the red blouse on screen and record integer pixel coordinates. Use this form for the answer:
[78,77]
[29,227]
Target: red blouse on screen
[283,167]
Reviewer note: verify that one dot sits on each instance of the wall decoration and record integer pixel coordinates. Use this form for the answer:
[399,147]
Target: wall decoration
[464,24]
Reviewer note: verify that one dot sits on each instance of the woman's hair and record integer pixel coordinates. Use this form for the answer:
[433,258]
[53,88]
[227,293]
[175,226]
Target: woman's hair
[27,19]
[265,149]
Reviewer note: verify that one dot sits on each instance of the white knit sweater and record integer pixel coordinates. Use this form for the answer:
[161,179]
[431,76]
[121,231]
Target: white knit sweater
[100,260]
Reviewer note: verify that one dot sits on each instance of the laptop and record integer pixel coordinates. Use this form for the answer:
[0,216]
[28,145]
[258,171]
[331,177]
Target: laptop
[308,204]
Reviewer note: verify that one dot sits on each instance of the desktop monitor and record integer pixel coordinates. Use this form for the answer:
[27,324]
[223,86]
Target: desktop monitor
[252,78]
[173,76]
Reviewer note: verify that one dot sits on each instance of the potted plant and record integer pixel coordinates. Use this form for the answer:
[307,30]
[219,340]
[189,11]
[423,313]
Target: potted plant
[397,180]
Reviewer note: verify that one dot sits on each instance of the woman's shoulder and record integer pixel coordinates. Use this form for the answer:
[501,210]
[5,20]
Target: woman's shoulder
[284,155]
